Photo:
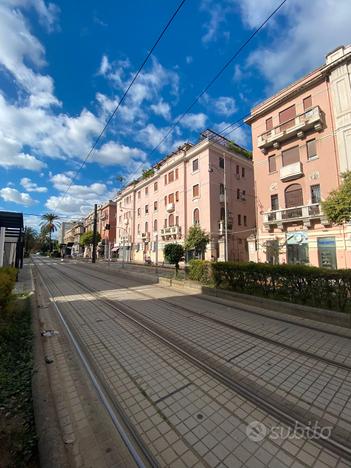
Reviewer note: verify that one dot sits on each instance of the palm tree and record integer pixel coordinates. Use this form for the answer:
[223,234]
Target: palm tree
[30,235]
[48,224]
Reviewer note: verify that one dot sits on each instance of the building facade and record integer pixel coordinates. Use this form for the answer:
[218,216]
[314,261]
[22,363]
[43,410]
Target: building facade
[210,184]
[301,144]
[107,226]
[72,239]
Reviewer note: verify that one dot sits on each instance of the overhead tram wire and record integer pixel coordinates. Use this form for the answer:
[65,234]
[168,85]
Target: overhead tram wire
[215,78]
[90,152]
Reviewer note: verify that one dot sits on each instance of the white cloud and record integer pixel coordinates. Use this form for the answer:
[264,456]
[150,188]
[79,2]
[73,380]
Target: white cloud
[194,122]
[189,59]
[104,65]
[151,136]
[240,135]
[12,156]
[309,33]
[31,186]
[162,108]
[214,27]
[12,195]
[224,105]
[112,153]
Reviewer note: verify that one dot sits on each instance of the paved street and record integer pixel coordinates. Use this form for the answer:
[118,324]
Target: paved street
[182,414]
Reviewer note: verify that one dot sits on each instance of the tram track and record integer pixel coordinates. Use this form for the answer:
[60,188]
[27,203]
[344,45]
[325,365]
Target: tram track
[230,326]
[337,443]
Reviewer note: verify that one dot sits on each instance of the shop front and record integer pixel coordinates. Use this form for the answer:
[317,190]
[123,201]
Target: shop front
[297,247]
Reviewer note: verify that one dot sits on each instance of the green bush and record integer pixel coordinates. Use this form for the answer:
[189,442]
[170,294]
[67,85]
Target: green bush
[299,284]
[200,270]
[7,283]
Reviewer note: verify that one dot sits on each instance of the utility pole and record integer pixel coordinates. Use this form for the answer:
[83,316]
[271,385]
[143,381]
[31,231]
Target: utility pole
[93,257]
[225,211]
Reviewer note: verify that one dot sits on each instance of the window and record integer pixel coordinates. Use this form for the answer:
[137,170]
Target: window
[221,163]
[272,164]
[171,198]
[171,220]
[196,216]
[165,223]
[287,117]
[245,220]
[293,196]
[177,221]
[177,196]
[138,228]
[196,191]
[170,177]
[221,189]
[177,173]
[239,220]
[237,194]
[165,179]
[155,187]
[237,170]
[120,219]
[139,194]
[146,227]
[311,149]
[269,124]
[165,200]
[222,214]
[146,209]
[243,195]
[138,211]
[315,193]
[155,225]
[307,103]
[243,172]
[146,190]
[291,156]
[155,205]
[274,202]
[195,165]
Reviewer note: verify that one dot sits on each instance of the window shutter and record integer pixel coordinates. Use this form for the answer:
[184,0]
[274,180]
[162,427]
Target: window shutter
[307,103]
[269,124]
[272,163]
[291,156]
[311,149]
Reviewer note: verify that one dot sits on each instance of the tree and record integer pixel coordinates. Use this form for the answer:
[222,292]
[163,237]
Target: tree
[87,238]
[30,237]
[173,253]
[197,240]
[49,225]
[337,207]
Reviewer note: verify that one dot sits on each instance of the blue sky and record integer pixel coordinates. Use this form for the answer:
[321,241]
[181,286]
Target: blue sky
[64,64]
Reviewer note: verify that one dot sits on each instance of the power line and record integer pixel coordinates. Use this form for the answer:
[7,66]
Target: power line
[90,152]
[216,76]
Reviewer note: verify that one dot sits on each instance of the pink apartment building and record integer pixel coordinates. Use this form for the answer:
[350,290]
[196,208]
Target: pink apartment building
[301,144]
[107,225]
[209,183]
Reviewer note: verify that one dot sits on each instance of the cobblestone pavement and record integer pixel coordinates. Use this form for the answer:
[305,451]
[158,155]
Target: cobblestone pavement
[183,415]
[322,389]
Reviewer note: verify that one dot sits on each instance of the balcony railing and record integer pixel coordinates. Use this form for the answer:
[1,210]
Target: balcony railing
[170,207]
[291,171]
[304,213]
[312,118]
[221,226]
[170,231]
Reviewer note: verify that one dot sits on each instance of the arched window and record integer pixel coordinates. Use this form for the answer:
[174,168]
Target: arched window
[222,216]
[196,216]
[293,196]
[155,225]
[171,220]
[146,227]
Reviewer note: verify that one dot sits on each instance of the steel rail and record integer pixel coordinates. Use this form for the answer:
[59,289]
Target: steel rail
[327,442]
[235,327]
[119,420]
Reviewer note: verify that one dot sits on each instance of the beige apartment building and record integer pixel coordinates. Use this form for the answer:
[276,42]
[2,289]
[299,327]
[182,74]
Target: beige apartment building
[72,238]
[301,145]
[209,184]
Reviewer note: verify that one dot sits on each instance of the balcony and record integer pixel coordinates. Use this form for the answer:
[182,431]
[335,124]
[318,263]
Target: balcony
[304,214]
[170,207]
[221,226]
[310,119]
[170,231]
[291,171]
[145,236]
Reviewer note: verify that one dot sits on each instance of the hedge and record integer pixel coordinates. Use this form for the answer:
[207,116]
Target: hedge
[199,270]
[300,284]
[7,283]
